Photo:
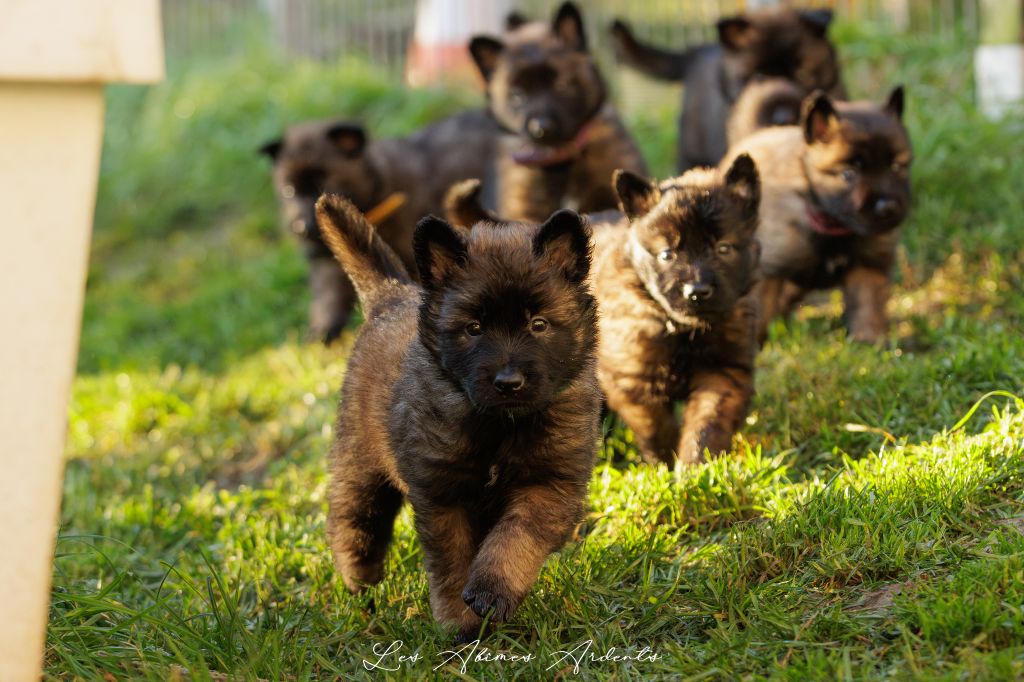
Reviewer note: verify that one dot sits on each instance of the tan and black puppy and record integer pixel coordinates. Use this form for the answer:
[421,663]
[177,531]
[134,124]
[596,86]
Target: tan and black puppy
[836,189]
[394,181]
[474,396]
[562,138]
[678,322]
[782,43]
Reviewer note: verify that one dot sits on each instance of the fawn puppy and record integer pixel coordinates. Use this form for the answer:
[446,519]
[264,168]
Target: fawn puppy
[836,189]
[673,281]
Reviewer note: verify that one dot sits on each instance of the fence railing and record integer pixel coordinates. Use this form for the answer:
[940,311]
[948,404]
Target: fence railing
[381,29]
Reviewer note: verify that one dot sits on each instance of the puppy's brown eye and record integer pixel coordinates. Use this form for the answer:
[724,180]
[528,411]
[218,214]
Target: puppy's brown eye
[667,256]
[538,324]
[474,328]
[725,248]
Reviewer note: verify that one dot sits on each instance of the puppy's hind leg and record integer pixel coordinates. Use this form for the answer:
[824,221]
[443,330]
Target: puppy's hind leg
[363,505]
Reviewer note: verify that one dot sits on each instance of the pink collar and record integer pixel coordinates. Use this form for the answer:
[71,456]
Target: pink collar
[824,224]
[538,155]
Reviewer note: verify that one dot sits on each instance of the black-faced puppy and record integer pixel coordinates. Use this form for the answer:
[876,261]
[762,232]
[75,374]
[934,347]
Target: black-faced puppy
[778,43]
[673,280]
[562,138]
[393,181]
[836,189]
[474,396]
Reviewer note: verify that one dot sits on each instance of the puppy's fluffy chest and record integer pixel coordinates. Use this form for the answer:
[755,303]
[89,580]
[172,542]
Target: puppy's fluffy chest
[441,441]
[642,346]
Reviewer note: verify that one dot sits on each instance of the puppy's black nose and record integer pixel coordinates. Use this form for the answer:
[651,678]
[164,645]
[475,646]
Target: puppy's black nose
[885,208]
[509,380]
[540,127]
[698,291]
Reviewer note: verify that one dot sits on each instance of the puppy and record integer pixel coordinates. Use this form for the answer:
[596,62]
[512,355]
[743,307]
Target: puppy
[673,281]
[836,189]
[394,181]
[673,274]
[562,138]
[475,396]
[782,43]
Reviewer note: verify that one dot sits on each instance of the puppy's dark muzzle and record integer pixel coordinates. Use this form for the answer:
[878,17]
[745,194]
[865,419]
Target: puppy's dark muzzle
[540,128]
[509,381]
[698,293]
[884,214]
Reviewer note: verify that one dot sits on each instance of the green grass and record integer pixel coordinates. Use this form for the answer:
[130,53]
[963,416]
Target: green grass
[854,533]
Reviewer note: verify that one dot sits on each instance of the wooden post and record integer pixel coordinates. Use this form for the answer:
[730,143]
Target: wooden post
[55,56]
[999,59]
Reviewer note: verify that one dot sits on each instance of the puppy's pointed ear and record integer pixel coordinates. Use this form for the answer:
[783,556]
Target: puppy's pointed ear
[818,117]
[564,241]
[637,195]
[349,138]
[735,33]
[514,20]
[568,26]
[440,251]
[272,149]
[744,182]
[816,21]
[486,51]
[894,104]
[462,204]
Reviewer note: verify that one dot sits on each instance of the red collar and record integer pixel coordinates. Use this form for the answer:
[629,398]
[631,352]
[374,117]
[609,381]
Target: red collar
[538,155]
[824,224]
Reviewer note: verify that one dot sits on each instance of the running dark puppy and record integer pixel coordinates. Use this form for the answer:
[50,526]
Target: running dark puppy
[394,181]
[474,396]
[836,189]
[562,138]
[678,321]
[782,43]
[673,281]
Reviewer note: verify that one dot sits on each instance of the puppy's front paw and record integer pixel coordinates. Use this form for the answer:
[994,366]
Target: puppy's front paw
[486,596]
[467,634]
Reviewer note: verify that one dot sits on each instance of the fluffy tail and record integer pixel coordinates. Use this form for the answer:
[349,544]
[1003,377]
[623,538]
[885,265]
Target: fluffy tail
[371,264]
[463,205]
[762,104]
[655,62]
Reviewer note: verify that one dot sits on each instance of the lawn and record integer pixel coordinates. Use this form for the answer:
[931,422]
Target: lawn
[870,523]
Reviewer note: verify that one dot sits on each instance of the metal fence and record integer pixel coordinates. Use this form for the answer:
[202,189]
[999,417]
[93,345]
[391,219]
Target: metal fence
[381,30]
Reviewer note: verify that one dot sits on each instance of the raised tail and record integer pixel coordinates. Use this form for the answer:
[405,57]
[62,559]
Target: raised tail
[653,61]
[763,104]
[372,265]
[463,205]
